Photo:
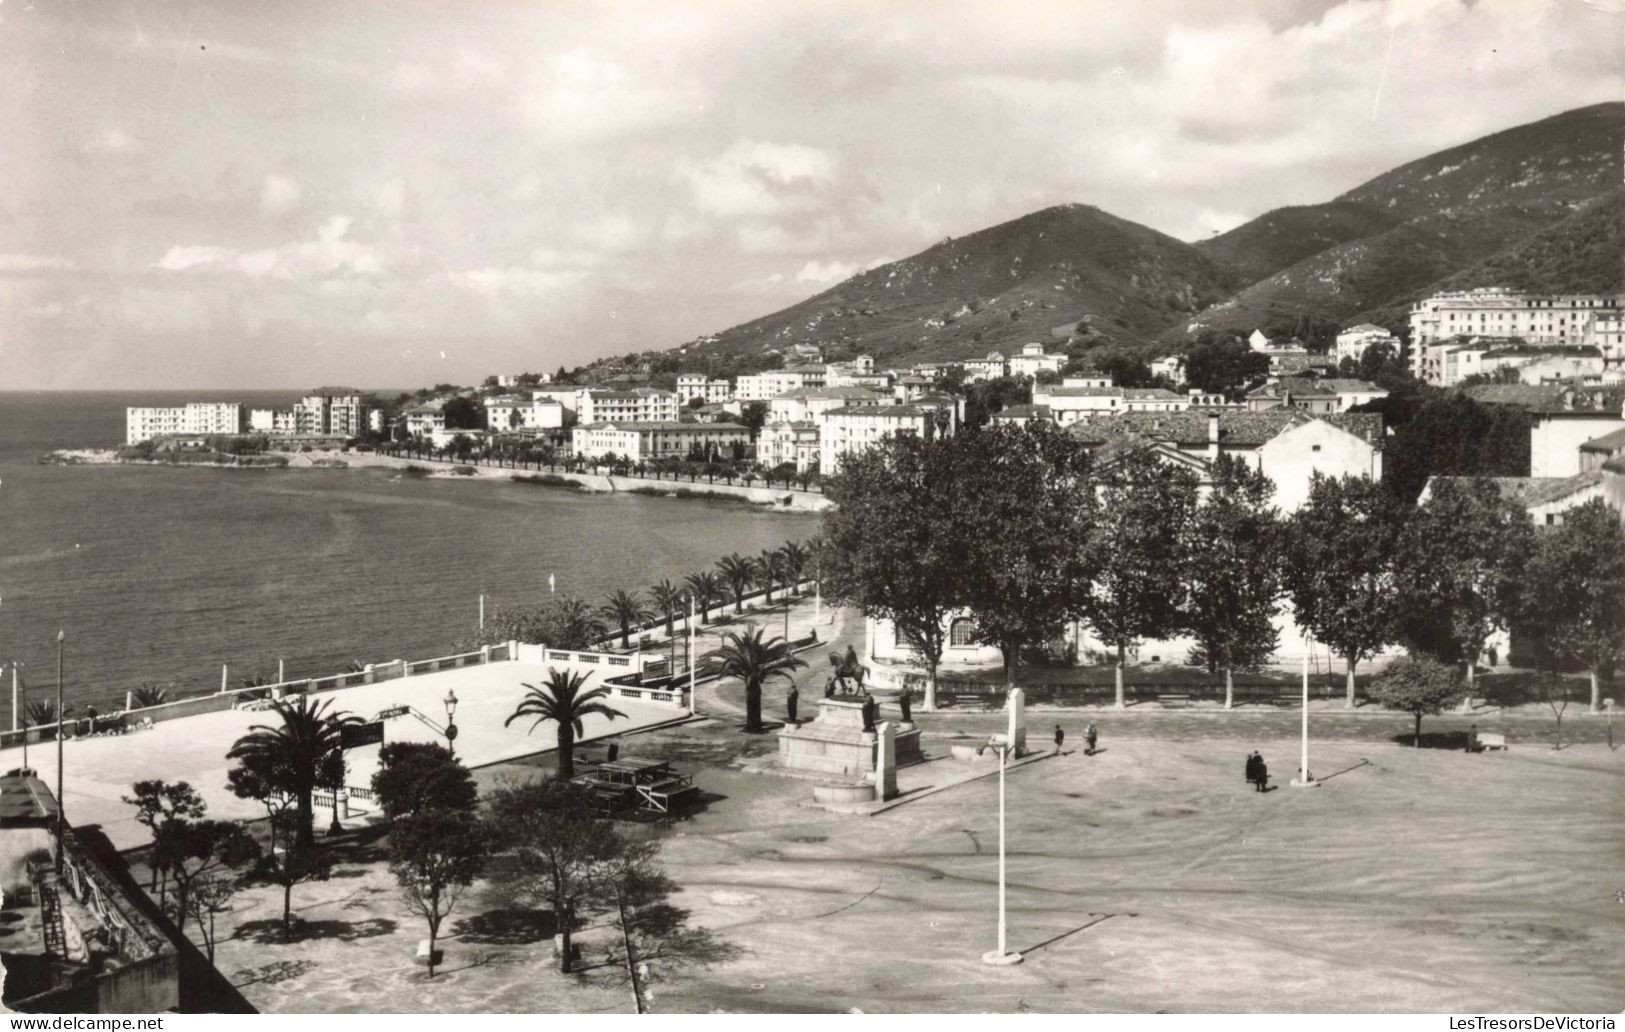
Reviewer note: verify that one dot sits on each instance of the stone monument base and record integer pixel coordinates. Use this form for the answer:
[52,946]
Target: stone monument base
[836,743]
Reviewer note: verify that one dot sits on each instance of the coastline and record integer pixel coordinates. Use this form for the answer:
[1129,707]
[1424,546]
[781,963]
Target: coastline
[772,499]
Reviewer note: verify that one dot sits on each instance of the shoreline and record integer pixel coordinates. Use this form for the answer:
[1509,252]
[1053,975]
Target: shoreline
[767,499]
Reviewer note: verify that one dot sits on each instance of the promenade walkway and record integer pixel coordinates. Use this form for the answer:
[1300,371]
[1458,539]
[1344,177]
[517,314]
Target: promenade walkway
[99,771]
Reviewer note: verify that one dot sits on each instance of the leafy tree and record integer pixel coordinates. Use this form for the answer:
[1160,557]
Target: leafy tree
[1573,592]
[668,600]
[752,415]
[767,572]
[193,850]
[738,573]
[655,934]
[1233,576]
[892,545]
[625,608]
[987,398]
[1023,520]
[1458,563]
[1419,686]
[564,622]
[1340,571]
[1453,435]
[561,700]
[291,866]
[1125,369]
[754,661]
[705,588]
[257,777]
[794,558]
[1146,507]
[435,855]
[554,846]
[462,413]
[295,751]
[416,777]
[1225,366]
[211,895]
[159,804]
[1553,690]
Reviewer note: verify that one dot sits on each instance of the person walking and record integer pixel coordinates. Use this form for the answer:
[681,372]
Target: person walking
[1090,737]
[1060,736]
[1252,769]
[1263,771]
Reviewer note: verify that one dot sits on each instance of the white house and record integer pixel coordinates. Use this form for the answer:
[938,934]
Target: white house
[1355,341]
[990,368]
[809,403]
[643,441]
[1556,436]
[696,385]
[1033,361]
[785,442]
[511,412]
[854,428]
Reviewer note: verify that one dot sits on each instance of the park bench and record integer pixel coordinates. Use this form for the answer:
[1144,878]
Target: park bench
[1491,740]
[1173,701]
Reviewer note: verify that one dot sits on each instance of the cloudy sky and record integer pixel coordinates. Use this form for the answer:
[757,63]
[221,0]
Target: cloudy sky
[277,193]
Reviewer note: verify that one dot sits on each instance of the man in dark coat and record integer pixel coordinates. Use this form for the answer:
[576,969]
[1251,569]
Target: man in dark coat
[1060,736]
[790,702]
[1252,769]
[1263,772]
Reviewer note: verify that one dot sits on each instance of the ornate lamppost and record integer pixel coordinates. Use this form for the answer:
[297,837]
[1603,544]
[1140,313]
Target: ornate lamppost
[451,728]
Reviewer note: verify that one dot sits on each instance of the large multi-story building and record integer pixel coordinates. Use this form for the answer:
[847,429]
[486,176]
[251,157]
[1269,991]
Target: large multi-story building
[795,443]
[809,402]
[273,421]
[512,412]
[767,385]
[1033,361]
[1495,312]
[197,417]
[638,405]
[641,441]
[332,410]
[1355,341]
[695,385]
[854,428]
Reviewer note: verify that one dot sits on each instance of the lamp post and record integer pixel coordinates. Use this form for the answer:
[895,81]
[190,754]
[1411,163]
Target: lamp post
[1608,708]
[691,655]
[451,728]
[1002,956]
[1303,780]
[61,638]
[19,685]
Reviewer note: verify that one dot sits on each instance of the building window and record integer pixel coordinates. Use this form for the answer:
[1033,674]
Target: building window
[962,632]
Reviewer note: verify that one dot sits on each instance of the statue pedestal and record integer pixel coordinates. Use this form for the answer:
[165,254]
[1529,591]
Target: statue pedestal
[836,743]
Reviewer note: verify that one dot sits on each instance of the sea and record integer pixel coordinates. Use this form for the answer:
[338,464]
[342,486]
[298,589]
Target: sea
[159,575]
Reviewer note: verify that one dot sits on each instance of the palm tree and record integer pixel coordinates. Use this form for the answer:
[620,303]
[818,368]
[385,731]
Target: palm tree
[668,598]
[562,701]
[625,608]
[768,565]
[705,589]
[793,558]
[754,661]
[149,695]
[41,713]
[580,625]
[310,732]
[739,572]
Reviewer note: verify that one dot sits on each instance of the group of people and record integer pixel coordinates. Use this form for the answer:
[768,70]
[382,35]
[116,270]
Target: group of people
[1258,772]
[1090,737]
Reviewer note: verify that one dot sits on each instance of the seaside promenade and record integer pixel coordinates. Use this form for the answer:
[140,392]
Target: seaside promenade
[100,770]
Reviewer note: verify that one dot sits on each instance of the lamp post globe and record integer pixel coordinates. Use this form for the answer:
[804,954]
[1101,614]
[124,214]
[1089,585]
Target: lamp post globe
[451,728]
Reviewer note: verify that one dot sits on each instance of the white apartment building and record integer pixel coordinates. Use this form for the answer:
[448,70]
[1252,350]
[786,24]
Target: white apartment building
[425,421]
[990,368]
[511,412]
[1033,361]
[1354,342]
[1608,337]
[277,421]
[641,441]
[712,392]
[639,405]
[809,403]
[332,410]
[770,384]
[1498,312]
[786,442]
[843,431]
[1171,366]
[197,417]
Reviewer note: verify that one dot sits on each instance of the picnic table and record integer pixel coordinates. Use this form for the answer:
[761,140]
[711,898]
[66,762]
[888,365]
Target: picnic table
[646,784]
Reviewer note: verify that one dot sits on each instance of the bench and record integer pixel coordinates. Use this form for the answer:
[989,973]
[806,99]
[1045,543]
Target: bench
[1174,701]
[1491,740]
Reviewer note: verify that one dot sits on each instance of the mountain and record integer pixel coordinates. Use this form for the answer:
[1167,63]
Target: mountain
[1445,214]
[1003,286]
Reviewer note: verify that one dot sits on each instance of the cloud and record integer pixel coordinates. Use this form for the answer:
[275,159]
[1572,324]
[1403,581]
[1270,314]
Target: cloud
[611,231]
[280,194]
[330,254]
[34,263]
[756,178]
[584,95]
[826,272]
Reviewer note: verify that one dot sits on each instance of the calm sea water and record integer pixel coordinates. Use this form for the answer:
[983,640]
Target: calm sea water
[161,575]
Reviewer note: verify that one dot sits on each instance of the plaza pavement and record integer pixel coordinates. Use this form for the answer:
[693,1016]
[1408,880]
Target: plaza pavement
[100,770]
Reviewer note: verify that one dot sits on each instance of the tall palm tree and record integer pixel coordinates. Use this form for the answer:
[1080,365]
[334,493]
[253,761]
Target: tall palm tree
[739,573]
[149,695]
[793,558]
[310,732]
[668,598]
[706,589]
[625,608]
[562,701]
[768,566]
[754,661]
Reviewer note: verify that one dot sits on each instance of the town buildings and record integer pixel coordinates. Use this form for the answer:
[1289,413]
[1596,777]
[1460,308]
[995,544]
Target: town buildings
[989,368]
[809,403]
[513,412]
[642,441]
[1355,341]
[854,428]
[695,385]
[332,410]
[1318,395]
[1556,437]
[1495,312]
[795,443]
[196,417]
[637,405]
[767,385]
[1033,361]
[272,421]
[424,420]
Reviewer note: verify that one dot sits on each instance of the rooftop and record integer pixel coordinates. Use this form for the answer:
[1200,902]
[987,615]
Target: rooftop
[1608,443]
[1237,429]
[663,424]
[1532,491]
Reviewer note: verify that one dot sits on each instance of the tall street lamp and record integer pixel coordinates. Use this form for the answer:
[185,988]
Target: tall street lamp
[1002,956]
[451,728]
[61,638]
[1608,707]
[1304,780]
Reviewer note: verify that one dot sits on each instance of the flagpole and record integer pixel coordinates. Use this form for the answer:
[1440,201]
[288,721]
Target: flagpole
[691,655]
[1303,780]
